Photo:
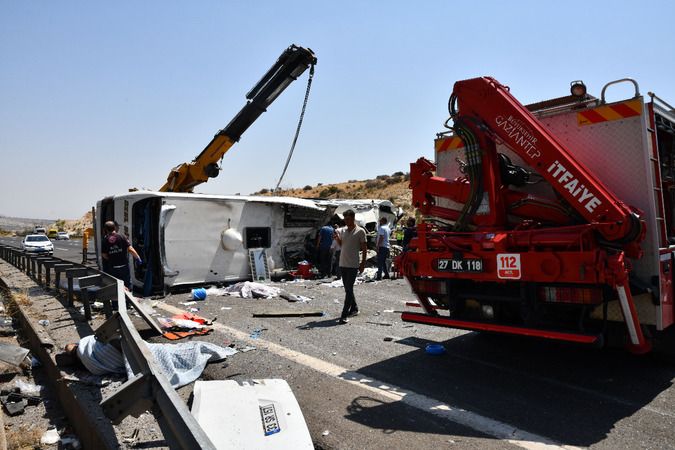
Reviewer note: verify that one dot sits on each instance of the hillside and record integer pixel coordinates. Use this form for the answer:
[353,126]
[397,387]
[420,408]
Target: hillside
[392,187]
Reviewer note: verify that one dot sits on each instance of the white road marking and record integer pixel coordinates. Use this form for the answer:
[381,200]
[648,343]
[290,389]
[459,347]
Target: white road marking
[491,427]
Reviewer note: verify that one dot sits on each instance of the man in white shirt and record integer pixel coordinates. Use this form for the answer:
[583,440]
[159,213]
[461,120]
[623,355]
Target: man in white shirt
[352,239]
[383,233]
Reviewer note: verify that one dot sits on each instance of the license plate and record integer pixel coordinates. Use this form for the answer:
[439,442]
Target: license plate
[270,422]
[471,265]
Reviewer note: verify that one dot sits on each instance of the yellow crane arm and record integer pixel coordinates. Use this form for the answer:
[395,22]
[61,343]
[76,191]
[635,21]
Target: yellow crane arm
[291,64]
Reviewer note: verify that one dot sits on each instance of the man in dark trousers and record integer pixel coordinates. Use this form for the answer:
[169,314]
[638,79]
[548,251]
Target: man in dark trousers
[324,240]
[409,233]
[352,239]
[115,252]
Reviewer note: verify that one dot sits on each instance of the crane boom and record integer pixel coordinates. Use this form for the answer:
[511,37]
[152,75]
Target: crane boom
[291,64]
[484,103]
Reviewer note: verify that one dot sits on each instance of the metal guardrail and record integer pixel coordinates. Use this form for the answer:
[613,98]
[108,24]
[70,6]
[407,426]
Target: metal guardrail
[148,389]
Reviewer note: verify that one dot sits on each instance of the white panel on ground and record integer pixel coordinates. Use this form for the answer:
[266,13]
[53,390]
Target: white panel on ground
[253,414]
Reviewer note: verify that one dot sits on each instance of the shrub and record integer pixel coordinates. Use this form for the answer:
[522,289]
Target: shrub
[394,180]
[307,188]
[373,184]
[263,191]
[382,177]
[397,174]
[330,190]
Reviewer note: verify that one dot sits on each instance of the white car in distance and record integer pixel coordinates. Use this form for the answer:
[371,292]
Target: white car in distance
[37,243]
[62,236]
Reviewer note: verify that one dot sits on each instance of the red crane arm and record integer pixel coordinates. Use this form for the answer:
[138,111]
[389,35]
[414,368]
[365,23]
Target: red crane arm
[483,103]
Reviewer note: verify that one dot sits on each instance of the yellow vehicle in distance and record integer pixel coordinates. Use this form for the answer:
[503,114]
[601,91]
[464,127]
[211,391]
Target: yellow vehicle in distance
[52,233]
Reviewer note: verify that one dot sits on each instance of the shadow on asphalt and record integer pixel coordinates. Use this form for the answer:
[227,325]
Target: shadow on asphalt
[397,416]
[319,324]
[572,394]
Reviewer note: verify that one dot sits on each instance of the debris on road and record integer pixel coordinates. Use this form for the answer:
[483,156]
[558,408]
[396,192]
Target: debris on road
[385,324]
[199,294]
[388,339]
[12,354]
[256,333]
[246,349]
[293,297]
[50,437]
[246,289]
[6,325]
[232,414]
[435,349]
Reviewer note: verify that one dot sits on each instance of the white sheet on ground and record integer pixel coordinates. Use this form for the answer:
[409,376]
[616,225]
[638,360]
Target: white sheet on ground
[183,363]
[246,289]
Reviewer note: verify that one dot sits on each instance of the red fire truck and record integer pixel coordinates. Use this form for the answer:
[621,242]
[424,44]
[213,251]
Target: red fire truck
[553,220]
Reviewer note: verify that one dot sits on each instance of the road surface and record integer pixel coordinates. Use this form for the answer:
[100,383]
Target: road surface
[370,383]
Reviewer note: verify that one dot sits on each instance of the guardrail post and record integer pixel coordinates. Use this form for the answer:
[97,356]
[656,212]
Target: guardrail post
[48,273]
[58,269]
[70,274]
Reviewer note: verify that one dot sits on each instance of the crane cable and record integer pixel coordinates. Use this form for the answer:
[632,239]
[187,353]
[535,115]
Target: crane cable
[297,131]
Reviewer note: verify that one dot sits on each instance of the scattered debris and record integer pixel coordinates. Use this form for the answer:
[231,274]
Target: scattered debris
[194,309]
[133,438]
[225,307]
[435,349]
[199,294]
[233,414]
[190,303]
[70,442]
[385,324]
[6,326]
[12,354]
[28,388]
[97,306]
[388,339]
[50,437]
[256,333]
[294,297]
[13,407]
[44,322]
[248,348]
[325,433]
[246,289]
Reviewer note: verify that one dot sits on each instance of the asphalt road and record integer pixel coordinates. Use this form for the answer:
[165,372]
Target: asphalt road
[358,390]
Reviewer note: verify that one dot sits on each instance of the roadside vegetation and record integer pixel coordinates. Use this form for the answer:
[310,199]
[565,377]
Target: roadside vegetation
[392,187]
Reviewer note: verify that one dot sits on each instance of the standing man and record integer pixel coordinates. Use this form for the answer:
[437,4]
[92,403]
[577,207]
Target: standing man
[383,233]
[324,240]
[409,233]
[115,252]
[351,238]
[335,252]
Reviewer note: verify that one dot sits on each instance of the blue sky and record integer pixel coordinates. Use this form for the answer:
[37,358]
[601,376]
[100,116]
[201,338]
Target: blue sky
[99,97]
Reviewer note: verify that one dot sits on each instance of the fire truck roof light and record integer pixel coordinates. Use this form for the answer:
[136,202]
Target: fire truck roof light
[578,89]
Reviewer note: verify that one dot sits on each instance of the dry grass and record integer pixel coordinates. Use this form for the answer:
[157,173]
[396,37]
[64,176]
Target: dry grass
[23,437]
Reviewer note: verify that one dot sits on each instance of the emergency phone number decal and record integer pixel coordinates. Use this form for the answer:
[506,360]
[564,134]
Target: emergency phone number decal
[508,266]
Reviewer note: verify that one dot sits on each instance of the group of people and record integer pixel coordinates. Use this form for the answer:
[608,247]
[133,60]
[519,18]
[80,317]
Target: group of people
[342,252]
